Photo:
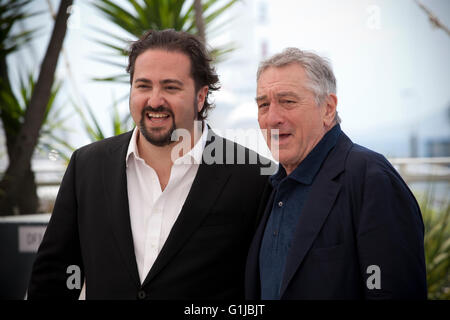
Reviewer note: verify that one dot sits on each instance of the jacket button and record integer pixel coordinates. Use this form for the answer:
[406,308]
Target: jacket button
[141,294]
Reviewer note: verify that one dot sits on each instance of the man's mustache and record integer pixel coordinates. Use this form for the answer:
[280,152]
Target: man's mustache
[159,109]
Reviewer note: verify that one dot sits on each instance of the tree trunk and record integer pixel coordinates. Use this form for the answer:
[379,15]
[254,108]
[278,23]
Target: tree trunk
[28,200]
[199,22]
[4,71]
[20,159]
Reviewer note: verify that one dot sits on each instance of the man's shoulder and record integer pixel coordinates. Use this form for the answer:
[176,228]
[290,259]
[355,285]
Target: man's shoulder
[365,163]
[360,155]
[99,147]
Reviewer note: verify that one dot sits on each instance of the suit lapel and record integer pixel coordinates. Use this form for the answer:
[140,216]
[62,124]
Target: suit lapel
[115,183]
[206,188]
[316,209]
[312,217]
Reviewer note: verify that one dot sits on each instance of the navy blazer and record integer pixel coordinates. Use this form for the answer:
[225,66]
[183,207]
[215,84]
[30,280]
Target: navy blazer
[359,214]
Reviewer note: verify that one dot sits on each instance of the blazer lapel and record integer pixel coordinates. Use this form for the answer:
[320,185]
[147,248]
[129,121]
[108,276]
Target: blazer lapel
[313,215]
[115,182]
[316,209]
[206,188]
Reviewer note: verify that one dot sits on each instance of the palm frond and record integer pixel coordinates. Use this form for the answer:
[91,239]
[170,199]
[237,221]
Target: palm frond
[141,16]
[122,78]
[10,13]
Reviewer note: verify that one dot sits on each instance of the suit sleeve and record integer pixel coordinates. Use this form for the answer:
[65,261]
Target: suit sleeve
[390,237]
[60,247]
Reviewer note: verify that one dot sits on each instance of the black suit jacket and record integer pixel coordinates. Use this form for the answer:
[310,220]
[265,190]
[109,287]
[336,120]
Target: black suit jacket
[359,213]
[203,257]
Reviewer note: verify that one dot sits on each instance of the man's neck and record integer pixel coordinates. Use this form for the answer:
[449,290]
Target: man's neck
[156,157]
[153,155]
[292,166]
[161,158]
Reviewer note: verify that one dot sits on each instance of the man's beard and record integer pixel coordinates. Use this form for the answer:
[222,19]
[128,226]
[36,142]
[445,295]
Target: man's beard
[156,136]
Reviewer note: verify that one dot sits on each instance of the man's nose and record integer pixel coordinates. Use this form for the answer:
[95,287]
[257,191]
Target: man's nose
[275,116]
[155,99]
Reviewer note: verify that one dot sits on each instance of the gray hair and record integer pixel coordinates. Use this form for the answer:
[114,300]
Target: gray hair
[318,70]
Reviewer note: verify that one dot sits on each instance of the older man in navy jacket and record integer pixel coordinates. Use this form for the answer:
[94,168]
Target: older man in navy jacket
[340,222]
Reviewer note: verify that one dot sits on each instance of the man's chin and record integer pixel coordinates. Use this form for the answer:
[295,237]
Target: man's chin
[159,139]
[282,158]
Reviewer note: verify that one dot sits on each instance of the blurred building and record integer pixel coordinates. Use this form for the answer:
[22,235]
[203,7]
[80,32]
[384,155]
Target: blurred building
[439,148]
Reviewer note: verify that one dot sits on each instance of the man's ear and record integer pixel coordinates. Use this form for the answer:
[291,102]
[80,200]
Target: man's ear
[201,97]
[330,110]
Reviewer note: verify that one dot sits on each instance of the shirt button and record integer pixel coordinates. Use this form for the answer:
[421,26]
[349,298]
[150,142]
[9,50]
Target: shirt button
[141,294]
[275,233]
[280,204]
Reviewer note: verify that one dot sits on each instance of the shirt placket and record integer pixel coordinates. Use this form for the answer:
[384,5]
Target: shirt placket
[278,208]
[154,225]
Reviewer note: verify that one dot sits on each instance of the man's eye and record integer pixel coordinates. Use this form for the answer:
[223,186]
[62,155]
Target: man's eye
[262,105]
[171,88]
[142,86]
[287,101]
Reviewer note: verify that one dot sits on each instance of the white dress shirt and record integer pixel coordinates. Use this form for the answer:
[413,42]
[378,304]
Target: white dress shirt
[153,212]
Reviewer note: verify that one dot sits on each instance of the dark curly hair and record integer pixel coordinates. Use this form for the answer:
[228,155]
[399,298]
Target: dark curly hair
[201,70]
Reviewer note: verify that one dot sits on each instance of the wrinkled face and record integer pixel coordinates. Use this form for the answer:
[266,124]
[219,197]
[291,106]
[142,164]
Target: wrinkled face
[285,103]
[162,96]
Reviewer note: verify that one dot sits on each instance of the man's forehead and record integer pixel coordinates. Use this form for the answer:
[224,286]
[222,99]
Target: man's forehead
[162,64]
[282,87]
[286,78]
[163,59]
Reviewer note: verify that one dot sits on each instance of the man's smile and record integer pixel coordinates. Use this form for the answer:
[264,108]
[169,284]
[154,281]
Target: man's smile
[157,117]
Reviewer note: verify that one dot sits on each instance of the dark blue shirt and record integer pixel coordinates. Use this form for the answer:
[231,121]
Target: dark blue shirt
[290,195]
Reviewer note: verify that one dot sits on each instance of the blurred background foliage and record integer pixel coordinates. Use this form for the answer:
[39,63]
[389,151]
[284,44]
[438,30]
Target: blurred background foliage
[92,126]
[13,111]
[436,218]
[14,102]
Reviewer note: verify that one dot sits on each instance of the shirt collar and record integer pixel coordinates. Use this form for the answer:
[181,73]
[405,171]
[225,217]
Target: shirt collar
[194,156]
[132,146]
[308,168]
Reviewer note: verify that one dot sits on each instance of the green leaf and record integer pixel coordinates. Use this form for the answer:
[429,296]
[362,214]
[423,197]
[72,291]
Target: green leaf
[122,78]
